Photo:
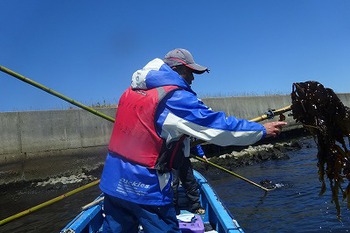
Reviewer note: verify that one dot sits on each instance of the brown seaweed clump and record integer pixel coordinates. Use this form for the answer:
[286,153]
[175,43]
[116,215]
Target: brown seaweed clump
[322,113]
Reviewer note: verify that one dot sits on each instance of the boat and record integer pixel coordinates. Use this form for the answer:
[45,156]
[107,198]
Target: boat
[217,219]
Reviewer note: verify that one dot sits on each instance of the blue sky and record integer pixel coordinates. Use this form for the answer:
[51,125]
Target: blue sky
[88,49]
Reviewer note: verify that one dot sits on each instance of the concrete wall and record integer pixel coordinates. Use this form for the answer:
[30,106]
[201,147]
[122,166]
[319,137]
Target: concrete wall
[37,144]
[248,107]
[38,132]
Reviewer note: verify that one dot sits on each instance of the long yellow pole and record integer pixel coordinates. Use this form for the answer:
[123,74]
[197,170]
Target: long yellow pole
[55,93]
[89,109]
[47,203]
[232,173]
[272,113]
[93,111]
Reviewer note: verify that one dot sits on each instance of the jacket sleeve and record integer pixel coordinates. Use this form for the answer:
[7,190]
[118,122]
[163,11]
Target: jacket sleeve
[197,150]
[183,113]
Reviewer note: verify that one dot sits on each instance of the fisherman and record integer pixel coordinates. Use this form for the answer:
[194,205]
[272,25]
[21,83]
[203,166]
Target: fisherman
[156,116]
[184,173]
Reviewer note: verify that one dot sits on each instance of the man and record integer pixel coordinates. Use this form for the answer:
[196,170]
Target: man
[155,118]
[185,174]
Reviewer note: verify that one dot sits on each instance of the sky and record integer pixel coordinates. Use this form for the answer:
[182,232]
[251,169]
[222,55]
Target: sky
[88,50]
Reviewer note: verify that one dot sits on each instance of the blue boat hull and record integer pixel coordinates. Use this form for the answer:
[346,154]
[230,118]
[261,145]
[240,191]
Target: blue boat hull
[216,216]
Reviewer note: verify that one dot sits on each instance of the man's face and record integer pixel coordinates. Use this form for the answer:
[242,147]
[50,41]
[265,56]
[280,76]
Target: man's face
[186,73]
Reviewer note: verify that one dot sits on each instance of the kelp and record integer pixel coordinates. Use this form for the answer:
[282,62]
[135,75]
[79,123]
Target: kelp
[323,114]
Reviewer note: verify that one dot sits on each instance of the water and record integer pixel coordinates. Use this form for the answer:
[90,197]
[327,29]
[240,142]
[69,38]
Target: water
[294,206]
[51,218]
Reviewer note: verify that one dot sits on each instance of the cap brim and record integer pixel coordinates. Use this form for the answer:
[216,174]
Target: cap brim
[197,69]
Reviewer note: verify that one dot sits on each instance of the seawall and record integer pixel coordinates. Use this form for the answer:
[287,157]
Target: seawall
[40,144]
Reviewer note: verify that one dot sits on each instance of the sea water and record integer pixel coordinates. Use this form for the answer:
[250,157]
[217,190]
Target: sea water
[294,206]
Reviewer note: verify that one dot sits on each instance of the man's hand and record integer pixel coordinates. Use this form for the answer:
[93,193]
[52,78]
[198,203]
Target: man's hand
[274,128]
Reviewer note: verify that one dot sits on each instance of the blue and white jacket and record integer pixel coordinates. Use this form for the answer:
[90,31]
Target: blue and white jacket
[179,113]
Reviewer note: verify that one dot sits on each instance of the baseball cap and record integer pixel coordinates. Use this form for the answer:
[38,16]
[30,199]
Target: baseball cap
[179,56]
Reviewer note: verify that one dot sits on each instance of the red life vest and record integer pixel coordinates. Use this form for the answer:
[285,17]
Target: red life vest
[134,136]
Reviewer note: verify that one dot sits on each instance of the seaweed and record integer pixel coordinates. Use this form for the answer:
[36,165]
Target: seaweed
[323,114]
